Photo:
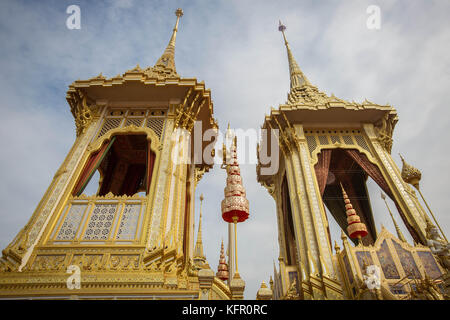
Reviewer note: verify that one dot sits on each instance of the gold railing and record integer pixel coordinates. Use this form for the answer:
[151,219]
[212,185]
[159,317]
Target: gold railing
[100,220]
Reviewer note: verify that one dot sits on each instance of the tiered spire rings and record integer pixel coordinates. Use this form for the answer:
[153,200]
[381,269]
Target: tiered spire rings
[235,205]
[222,269]
[412,176]
[355,228]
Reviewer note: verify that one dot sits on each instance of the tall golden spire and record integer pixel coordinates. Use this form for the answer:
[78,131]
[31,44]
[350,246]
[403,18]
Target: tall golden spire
[302,91]
[199,256]
[298,79]
[165,65]
[397,229]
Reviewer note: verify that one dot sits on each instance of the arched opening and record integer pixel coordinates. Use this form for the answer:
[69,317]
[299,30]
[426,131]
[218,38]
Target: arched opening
[124,164]
[352,169]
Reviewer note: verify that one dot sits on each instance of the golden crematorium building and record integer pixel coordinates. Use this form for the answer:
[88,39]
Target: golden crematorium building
[329,148]
[134,238]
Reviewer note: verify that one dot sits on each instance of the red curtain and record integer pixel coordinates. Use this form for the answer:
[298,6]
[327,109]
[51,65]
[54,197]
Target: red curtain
[322,167]
[150,163]
[375,173]
[371,169]
[133,179]
[91,166]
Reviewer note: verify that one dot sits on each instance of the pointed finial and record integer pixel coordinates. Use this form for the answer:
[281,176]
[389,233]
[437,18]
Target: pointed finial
[179,12]
[336,247]
[298,79]
[281,28]
[199,256]
[410,174]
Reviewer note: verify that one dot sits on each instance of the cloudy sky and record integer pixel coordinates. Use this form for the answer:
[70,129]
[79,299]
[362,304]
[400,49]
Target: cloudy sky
[235,47]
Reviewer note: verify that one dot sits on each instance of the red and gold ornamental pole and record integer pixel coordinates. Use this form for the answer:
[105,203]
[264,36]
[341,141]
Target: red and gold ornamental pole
[355,229]
[235,204]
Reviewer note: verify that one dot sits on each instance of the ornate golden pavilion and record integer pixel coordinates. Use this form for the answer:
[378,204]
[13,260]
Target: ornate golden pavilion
[134,239]
[330,147]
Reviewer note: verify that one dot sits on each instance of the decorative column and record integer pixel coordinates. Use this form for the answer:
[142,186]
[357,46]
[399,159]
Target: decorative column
[314,253]
[205,279]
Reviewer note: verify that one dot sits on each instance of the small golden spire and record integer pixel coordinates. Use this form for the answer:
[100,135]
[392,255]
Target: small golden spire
[199,256]
[336,247]
[412,176]
[166,62]
[343,235]
[222,269]
[264,293]
[397,229]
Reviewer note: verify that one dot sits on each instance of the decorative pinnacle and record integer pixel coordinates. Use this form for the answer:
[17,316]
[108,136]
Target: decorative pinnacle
[199,256]
[355,228]
[166,63]
[410,174]
[179,12]
[298,79]
[222,269]
[282,28]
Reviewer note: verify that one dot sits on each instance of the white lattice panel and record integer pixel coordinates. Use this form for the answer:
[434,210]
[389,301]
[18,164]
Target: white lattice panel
[71,222]
[100,222]
[109,124]
[134,121]
[156,124]
[324,138]
[129,222]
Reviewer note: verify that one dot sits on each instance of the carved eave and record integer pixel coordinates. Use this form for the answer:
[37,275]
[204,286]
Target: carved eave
[332,111]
